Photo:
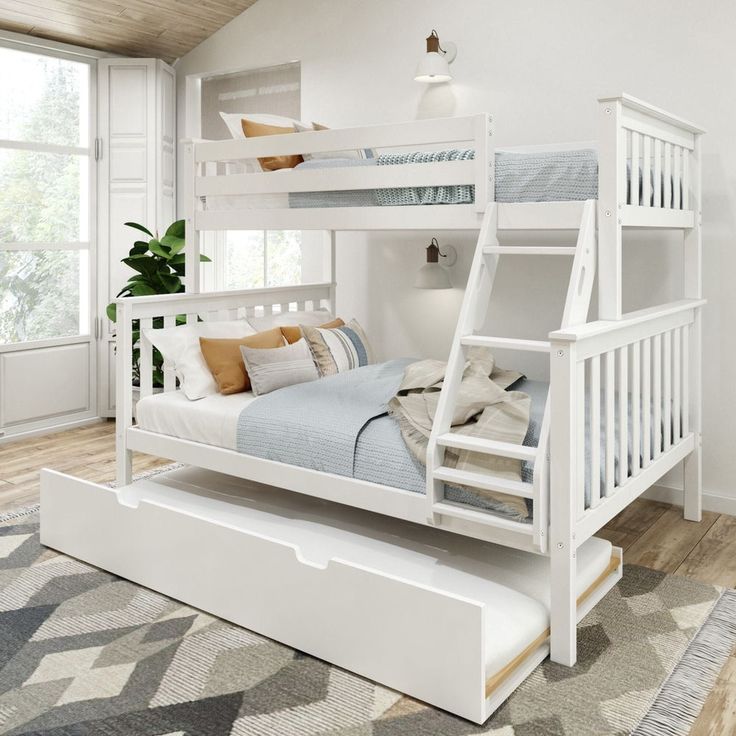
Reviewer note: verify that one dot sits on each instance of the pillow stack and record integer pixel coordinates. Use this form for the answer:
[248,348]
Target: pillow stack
[260,354]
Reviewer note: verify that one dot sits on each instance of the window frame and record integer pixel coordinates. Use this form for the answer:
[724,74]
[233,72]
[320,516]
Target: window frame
[52,49]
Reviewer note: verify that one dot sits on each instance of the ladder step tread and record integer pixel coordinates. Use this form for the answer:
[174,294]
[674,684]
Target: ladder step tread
[485,482]
[490,447]
[482,517]
[529,250]
[512,343]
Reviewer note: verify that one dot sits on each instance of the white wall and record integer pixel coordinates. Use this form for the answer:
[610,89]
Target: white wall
[538,66]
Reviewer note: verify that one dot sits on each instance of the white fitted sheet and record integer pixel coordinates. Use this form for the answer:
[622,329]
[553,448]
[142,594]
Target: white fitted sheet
[212,420]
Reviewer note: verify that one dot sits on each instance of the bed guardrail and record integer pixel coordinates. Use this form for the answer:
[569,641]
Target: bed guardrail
[631,387]
[209,167]
[137,314]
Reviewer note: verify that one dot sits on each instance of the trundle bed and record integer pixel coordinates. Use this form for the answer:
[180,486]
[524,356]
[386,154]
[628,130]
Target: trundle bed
[411,583]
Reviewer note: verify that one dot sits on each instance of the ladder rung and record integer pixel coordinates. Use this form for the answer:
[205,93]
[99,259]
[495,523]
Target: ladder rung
[529,250]
[509,343]
[481,517]
[485,482]
[490,447]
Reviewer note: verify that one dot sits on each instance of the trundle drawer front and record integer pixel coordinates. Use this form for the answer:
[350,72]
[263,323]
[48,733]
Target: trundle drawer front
[425,642]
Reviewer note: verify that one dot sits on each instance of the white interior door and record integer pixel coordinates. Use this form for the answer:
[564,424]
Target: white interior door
[47,245]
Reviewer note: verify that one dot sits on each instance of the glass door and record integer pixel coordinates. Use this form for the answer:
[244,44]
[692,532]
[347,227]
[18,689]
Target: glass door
[47,357]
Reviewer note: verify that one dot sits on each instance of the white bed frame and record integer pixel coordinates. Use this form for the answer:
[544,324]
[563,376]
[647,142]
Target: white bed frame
[654,355]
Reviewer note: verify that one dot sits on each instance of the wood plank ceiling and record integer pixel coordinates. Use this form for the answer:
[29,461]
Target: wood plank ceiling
[165,29]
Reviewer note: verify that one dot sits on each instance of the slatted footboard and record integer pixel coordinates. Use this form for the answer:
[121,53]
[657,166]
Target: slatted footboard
[625,409]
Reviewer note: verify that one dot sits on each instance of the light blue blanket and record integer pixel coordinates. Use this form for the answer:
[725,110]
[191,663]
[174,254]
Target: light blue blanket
[339,424]
[316,425]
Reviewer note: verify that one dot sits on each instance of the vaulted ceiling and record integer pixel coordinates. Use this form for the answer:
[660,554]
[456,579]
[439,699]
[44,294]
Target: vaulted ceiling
[165,29]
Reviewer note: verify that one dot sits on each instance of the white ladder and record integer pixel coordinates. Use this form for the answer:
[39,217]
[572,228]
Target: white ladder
[472,317]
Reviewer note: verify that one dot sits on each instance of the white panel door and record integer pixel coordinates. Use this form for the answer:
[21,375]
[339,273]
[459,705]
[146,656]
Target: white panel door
[47,239]
[136,174]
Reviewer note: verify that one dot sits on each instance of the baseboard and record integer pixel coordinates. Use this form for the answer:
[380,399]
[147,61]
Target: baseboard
[711,501]
[50,430]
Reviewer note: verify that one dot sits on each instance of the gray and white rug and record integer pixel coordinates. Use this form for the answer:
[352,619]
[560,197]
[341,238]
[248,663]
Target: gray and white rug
[84,653]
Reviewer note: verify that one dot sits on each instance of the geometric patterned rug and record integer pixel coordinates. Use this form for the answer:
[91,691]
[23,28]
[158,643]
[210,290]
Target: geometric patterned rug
[83,653]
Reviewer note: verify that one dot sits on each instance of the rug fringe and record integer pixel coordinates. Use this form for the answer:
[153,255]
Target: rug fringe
[685,691]
[18,513]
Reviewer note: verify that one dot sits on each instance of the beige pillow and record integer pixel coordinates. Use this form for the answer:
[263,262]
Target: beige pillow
[293,333]
[339,349]
[273,369]
[251,129]
[225,361]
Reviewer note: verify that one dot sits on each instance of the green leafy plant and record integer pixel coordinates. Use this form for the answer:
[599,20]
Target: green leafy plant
[159,264]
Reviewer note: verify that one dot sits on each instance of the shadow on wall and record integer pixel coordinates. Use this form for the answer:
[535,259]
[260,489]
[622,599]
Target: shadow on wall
[437,100]
[402,320]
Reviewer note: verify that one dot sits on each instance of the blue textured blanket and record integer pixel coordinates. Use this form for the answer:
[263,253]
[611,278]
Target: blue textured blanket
[316,425]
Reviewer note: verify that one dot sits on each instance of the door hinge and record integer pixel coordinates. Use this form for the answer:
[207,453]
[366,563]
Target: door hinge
[98,149]
[97,328]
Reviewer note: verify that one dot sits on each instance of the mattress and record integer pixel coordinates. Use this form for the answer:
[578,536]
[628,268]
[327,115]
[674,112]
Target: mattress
[538,176]
[381,456]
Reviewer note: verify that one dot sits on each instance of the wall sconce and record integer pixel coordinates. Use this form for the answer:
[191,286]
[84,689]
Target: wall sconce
[434,66]
[431,275]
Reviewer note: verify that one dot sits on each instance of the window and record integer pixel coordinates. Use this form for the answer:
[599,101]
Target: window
[44,197]
[257,258]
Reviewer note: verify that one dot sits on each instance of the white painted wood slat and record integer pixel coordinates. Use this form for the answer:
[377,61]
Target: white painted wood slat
[676,386]
[623,414]
[169,376]
[610,423]
[595,430]
[634,177]
[635,408]
[657,396]
[646,401]
[646,172]
[667,391]
[145,372]
[657,172]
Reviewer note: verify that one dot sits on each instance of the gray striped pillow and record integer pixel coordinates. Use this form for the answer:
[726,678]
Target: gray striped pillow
[272,368]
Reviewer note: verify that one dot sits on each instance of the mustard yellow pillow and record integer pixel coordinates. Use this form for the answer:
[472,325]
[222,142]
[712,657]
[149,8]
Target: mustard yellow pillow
[225,361]
[270,163]
[293,333]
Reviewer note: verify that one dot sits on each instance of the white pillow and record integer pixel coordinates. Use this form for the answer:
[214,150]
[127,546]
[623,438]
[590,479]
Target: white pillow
[232,120]
[285,319]
[180,349]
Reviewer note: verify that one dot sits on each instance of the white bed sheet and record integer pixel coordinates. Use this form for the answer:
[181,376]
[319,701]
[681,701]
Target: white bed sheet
[212,420]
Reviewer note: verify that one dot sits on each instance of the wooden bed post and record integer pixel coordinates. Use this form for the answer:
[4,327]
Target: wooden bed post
[123,391]
[191,249]
[611,193]
[563,488]
[693,289]
[333,273]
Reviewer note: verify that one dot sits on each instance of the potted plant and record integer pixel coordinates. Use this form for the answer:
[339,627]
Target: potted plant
[159,267]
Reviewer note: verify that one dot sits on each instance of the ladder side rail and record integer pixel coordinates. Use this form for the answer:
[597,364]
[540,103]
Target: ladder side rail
[562,434]
[479,281]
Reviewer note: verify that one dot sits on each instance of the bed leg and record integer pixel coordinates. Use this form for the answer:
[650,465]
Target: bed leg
[123,467]
[563,613]
[693,483]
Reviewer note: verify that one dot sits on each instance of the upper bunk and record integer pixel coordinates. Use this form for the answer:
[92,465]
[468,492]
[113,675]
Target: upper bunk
[442,173]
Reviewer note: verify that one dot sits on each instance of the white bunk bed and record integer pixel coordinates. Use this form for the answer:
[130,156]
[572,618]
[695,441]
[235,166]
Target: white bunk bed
[188,525]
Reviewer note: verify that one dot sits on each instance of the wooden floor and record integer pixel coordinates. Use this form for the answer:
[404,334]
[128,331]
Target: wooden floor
[651,533]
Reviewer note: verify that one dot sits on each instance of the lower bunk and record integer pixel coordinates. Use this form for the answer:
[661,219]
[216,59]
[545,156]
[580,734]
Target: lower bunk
[454,621]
